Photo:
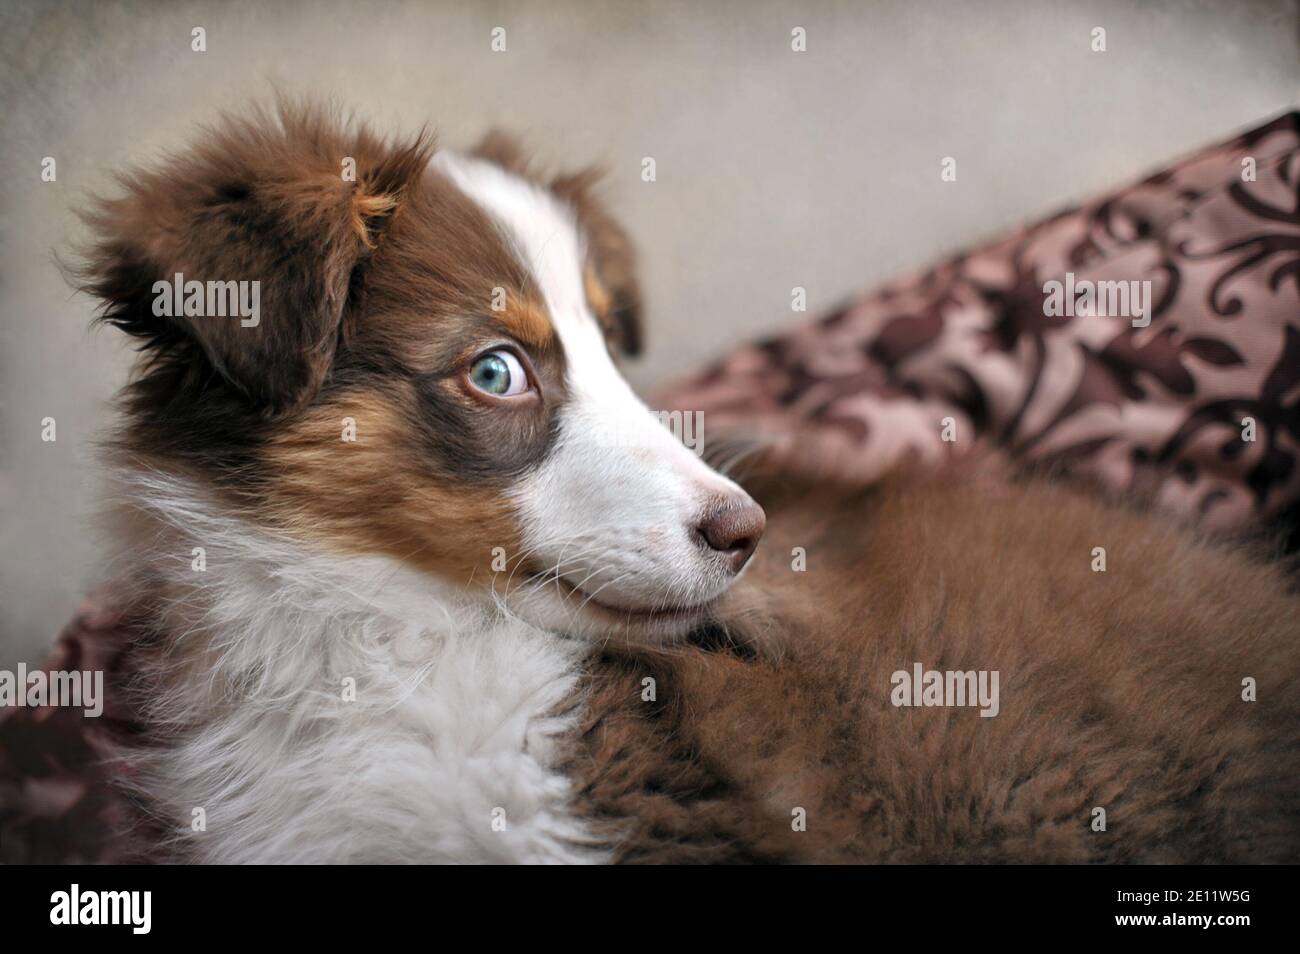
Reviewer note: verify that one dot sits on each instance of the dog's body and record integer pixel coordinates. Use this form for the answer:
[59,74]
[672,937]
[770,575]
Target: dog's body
[384,538]
[1120,690]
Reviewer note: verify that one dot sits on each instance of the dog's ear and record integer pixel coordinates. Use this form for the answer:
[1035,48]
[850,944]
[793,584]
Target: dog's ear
[612,287]
[294,202]
[501,148]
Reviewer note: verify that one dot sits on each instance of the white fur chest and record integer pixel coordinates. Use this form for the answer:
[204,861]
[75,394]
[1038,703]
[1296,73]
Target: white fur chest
[336,709]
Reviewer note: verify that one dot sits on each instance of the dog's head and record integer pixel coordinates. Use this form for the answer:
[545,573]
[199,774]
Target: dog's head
[380,349]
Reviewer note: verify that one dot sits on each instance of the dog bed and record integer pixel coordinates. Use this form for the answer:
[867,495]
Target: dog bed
[1188,400]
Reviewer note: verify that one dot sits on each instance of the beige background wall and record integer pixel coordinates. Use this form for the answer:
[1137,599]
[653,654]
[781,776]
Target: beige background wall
[776,169]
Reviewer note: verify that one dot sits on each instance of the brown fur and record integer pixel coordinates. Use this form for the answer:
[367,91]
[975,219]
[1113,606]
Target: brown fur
[259,199]
[376,495]
[1119,690]
[613,290]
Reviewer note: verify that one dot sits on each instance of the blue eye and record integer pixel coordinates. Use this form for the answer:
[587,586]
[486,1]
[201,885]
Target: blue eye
[498,373]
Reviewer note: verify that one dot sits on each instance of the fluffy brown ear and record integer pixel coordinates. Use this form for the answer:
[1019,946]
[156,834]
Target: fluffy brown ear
[503,149]
[292,202]
[612,285]
[612,289]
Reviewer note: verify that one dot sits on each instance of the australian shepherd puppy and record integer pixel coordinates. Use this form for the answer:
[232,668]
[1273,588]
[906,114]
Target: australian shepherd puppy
[419,568]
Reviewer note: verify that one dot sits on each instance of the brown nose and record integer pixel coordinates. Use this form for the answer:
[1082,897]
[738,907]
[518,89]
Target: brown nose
[733,530]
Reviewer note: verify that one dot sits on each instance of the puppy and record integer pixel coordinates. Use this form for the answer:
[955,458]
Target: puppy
[424,582]
[384,488]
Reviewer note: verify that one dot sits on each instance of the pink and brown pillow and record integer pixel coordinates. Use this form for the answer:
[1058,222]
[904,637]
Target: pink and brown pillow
[1155,413]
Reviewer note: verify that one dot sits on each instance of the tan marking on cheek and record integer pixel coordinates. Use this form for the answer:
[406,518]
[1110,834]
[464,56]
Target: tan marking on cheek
[527,321]
[373,495]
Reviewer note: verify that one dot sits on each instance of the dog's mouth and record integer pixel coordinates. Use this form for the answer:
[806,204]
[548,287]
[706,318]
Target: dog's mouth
[665,613]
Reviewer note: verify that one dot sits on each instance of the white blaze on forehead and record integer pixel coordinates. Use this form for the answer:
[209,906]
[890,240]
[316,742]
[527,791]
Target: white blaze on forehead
[543,231]
[548,242]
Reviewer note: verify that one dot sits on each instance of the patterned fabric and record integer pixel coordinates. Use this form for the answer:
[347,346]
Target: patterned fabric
[1152,411]
[1155,413]
[55,803]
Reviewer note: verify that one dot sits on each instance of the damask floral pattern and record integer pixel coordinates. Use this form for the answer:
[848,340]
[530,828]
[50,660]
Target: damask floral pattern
[1162,412]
